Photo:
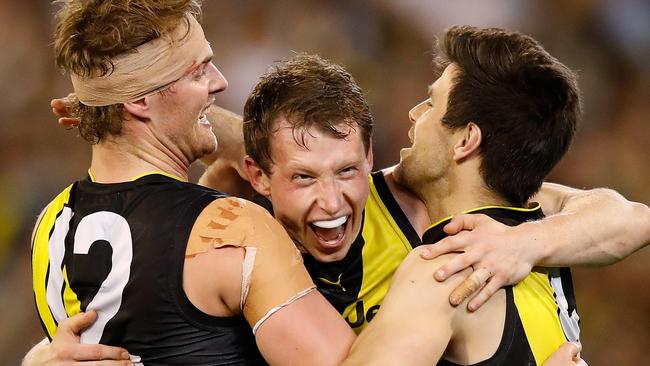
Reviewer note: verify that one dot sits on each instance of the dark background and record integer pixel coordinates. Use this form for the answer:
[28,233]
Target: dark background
[386,44]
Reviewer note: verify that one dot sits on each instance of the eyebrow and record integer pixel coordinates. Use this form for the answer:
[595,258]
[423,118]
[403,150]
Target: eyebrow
[207,59]
[196,66]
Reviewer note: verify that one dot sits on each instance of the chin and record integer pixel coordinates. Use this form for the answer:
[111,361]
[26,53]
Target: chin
[398,173]
[330,257]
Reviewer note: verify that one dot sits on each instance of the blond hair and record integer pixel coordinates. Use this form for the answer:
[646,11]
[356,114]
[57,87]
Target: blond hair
[90,33]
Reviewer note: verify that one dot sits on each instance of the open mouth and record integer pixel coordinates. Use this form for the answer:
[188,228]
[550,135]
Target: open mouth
[330,232]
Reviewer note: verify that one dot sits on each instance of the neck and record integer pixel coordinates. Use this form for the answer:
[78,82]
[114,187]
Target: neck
[118,159]
[411,205]
[452,195]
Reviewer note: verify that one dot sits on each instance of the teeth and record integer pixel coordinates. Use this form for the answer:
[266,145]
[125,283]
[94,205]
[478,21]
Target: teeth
[329,224]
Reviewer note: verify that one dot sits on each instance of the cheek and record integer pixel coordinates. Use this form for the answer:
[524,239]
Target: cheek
[291,205]
[357,192]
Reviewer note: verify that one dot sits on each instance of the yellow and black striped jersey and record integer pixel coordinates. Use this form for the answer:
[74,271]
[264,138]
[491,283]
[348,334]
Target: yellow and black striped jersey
[357,284]
[120,249]
[541,310]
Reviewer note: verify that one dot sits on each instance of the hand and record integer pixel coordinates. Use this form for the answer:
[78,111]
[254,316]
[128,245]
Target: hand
[500,255]
[227,126]
[65,348]
[567,354]
[225,168]
[61,108]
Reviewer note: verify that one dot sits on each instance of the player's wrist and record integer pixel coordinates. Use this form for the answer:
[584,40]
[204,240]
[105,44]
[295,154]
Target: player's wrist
[537,250]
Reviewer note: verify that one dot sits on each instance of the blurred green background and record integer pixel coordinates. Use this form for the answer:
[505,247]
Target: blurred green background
[386,44]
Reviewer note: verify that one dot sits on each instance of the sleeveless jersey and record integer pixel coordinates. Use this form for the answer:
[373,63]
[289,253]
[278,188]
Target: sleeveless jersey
[541,310]
[120,249]
[357,284]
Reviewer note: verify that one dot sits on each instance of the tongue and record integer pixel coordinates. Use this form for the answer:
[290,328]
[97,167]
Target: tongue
[328,234]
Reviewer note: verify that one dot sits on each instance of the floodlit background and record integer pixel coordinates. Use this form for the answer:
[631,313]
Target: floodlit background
[386,44]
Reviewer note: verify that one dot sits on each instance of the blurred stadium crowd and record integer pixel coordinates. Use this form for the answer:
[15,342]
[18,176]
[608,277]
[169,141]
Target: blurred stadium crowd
[386,44]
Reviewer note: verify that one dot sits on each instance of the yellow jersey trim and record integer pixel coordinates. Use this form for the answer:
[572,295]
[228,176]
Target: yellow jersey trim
[379,206]
[41,258]
[538,312]
[534,207]
[160,172]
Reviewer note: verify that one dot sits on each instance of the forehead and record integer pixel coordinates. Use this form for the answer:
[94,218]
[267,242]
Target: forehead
[315,143]
[442,85]
[204,55]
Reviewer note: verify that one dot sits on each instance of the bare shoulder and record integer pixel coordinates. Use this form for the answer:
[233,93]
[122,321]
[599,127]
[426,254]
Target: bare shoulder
[235,222]
[415,276]
[413,264]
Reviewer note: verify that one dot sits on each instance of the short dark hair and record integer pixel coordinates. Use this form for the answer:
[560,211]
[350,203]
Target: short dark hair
[526,103]
[307,91]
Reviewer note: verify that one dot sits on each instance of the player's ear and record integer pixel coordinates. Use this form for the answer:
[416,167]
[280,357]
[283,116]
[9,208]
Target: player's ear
[138,108]
[260,181]
[468,142]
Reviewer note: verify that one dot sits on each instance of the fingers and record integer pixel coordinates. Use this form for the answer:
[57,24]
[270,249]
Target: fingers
[109,363]
[60,108]
[462,222]
[566,354]
[75,324]
[97,352]
[444,246]
[491,287]
[457,264]
[572,349]
[69,122]
[469,286]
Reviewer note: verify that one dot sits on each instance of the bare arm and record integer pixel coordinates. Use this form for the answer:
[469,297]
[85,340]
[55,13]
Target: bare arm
[307,331]
[594,227]
[415,322]
[417,326]
[225,170]
[65,348]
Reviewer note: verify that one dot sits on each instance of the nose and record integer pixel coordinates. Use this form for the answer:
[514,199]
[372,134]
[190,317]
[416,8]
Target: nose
[416,111]
[330,198]
[218,82]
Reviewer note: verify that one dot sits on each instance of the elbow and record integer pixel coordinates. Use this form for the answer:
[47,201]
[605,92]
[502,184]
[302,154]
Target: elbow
[637,234]
[642,213]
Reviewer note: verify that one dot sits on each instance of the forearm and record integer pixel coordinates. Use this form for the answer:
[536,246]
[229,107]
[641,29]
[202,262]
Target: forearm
[225,168]
[227,179]
[595,227]
[415,322]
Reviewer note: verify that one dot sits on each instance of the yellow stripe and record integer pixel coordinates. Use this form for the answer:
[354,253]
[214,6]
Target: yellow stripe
[534,207]
[92,177]
[70,299]
[375,205]
[41,259]
[538,313]
[385,248]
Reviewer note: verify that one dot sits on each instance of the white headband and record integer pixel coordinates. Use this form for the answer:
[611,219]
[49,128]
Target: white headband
[146,69]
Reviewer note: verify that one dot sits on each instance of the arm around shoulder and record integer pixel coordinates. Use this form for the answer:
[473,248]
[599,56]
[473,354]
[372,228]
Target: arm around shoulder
[415,322]
[591,227]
